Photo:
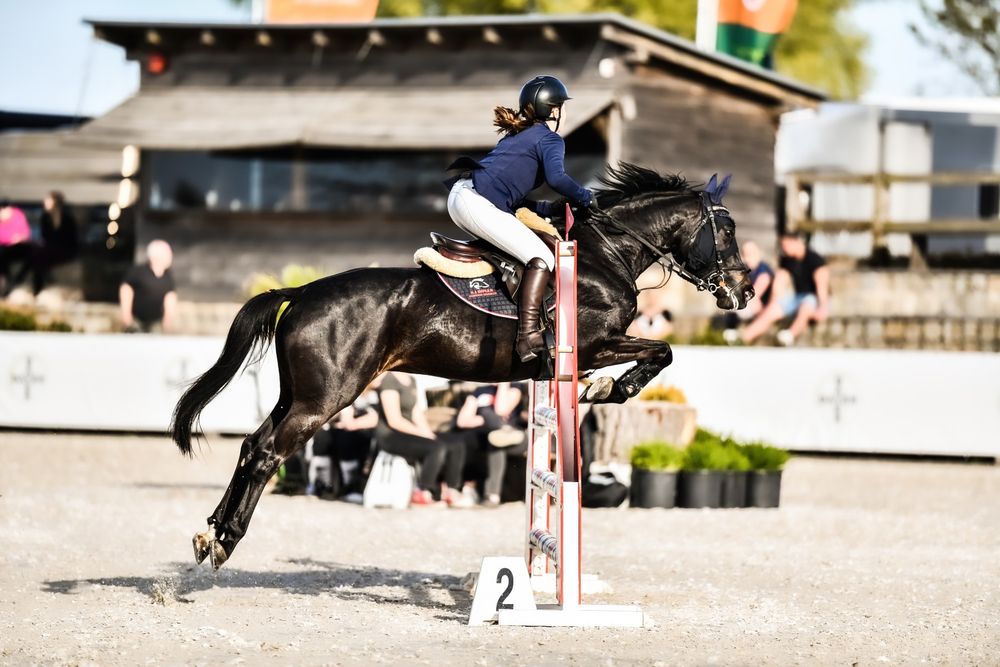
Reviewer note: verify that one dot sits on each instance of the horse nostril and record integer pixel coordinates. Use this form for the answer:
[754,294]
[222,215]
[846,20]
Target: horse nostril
[749,293]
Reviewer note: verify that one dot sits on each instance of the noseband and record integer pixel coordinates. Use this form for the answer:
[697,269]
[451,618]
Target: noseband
[708,214]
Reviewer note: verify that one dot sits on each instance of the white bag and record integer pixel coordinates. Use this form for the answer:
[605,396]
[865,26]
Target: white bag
[390,483]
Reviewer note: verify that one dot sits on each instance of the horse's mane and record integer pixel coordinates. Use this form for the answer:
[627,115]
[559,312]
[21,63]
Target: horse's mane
[629,180]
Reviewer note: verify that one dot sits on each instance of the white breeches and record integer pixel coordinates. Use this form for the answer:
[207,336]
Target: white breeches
[478,216]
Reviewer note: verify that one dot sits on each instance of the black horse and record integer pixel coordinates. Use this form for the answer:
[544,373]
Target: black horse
[340,332]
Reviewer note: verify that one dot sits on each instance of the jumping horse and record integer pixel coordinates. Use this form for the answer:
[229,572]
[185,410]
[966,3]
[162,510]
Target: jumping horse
[339,333]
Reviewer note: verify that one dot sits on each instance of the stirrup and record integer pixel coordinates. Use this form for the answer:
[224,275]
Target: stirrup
[534,350]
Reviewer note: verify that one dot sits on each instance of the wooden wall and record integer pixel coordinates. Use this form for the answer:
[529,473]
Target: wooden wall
[215,257]
[686,126]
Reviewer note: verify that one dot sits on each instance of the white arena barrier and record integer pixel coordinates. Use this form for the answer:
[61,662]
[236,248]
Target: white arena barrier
[119,382]
[833,400]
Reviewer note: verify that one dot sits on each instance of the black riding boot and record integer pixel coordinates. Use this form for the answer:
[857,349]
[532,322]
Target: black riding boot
[530,335]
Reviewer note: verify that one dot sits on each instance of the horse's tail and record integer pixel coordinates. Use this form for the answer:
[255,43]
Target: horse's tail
[254,325]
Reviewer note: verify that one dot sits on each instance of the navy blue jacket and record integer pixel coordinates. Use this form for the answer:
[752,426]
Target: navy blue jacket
[522,162]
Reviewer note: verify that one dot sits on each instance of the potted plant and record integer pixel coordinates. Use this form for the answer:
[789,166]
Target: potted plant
[734,479]
[654,474]
[764,481]
[700,480]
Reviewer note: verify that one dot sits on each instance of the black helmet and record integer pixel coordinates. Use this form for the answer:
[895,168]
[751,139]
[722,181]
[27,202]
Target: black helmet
[544,93]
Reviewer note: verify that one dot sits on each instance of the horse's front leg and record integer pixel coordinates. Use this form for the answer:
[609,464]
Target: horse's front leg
[652,356]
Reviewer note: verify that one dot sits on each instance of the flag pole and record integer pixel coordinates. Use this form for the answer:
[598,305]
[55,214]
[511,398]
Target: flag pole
[708,21]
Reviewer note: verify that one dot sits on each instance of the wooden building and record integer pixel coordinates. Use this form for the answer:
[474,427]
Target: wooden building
[264,145]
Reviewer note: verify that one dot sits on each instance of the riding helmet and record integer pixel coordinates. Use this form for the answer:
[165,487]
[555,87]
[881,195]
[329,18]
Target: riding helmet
[544,93]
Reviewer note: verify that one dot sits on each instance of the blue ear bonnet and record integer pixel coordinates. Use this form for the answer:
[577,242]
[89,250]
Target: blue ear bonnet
[702,253]
[717,190]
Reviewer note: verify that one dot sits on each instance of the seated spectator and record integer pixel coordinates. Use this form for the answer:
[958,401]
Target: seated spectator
[345,444]
[403,431]
[147,295]
[801,291]
[15,242]
[59,243]
[492,413]
[652,322]
[762,279]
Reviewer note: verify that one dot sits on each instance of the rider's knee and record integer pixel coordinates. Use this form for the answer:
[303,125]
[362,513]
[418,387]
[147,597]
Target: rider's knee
[538,263]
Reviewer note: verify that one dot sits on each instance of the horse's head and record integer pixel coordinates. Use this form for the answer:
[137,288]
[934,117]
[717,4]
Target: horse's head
[709,251]
[690,229]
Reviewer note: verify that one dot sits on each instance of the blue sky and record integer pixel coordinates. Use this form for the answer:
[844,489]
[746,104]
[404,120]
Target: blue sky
[49,61]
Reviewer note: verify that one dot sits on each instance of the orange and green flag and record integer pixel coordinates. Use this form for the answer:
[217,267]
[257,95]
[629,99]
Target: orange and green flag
[748,29]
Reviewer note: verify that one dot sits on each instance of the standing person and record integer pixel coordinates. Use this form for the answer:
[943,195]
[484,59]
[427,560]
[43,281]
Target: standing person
[801,289]
[15,242]
[147,295]
[403,431]
[483,200]
[59,244]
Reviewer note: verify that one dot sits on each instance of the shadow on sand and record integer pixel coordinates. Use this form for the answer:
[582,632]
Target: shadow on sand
[427,590]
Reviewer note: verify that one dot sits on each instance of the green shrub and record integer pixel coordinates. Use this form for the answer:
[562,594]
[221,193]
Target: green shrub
[706,453]
[17,319]
[656,455]
[736,459]
[765,457]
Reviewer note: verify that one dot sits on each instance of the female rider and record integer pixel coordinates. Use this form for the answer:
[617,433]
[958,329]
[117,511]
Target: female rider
[529,153]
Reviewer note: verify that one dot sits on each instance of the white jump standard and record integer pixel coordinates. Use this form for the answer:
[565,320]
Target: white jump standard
[504,590]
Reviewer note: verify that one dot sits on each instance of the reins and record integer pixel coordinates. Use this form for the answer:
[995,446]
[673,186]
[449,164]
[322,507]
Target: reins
[708,211]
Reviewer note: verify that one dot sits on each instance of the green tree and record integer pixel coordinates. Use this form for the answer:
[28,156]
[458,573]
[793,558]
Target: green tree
[966,33]
[821,48]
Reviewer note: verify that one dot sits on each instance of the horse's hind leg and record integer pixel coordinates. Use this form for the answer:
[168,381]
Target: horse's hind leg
[203,542]
[301,422]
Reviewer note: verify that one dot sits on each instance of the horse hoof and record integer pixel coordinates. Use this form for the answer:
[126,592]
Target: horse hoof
[219,555]
[599,390]
[202,544]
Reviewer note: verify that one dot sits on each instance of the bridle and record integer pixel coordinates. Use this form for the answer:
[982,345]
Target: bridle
[713,283]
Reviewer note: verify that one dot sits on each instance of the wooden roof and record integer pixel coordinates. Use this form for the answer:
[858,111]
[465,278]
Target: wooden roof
[190,118]
[508,32]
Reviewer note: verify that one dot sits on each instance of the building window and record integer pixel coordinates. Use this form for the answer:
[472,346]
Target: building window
[325,181]
[377,182]
[222,181]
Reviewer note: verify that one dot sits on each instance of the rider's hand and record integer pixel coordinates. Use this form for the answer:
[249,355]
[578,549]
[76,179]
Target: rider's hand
[594,208]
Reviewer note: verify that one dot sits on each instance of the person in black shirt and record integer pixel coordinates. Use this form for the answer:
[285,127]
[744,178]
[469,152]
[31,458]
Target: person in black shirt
[801,289]
[147,295]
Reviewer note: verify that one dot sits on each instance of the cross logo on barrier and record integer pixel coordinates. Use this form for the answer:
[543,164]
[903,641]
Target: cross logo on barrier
[27,378]
[838,398]
[179,379]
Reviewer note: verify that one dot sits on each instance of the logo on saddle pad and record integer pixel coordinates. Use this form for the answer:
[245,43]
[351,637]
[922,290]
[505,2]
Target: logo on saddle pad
[485,294]
[481,289]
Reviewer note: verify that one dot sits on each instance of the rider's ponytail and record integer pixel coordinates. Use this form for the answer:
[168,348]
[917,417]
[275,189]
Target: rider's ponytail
[509,122]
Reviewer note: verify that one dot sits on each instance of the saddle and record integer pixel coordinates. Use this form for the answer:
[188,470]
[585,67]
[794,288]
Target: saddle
[477,258]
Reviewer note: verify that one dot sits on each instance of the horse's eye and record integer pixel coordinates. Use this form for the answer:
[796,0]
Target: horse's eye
[728,232]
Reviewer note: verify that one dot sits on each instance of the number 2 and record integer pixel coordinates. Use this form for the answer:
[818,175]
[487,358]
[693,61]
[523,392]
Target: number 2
[505,572]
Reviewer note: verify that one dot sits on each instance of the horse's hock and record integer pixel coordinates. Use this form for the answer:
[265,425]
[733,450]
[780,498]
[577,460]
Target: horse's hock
[621,427]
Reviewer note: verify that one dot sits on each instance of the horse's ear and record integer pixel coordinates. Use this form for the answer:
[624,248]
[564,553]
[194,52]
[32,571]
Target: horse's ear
[722,189]
[710,188]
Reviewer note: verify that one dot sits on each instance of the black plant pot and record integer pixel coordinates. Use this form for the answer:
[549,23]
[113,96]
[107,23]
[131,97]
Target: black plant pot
[653,488]
[700,488]
[734,489]
[764,488]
